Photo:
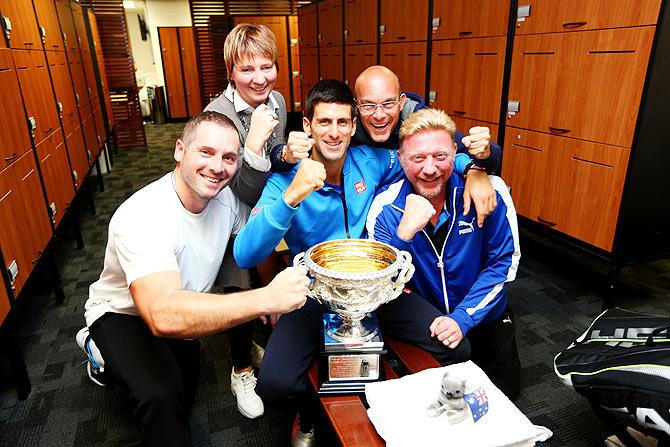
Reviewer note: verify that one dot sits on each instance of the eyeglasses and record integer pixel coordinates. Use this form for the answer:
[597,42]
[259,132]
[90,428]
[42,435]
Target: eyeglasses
[369,108]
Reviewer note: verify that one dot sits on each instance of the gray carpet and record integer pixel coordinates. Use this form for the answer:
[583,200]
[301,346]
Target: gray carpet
[554,297]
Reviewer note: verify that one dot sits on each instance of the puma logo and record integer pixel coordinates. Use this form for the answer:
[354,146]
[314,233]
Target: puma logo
[469,226]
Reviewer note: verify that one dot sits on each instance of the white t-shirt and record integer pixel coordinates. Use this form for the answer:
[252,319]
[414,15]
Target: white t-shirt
[152,232]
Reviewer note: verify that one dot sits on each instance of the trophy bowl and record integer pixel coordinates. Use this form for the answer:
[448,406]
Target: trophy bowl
[353,277]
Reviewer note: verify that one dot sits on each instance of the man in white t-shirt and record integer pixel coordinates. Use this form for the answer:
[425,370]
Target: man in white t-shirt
[150,305]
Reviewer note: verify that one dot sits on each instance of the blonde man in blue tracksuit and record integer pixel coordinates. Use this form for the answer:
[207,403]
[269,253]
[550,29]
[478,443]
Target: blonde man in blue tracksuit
[461,269]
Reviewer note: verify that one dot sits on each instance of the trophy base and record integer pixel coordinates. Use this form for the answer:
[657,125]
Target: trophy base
[345,367]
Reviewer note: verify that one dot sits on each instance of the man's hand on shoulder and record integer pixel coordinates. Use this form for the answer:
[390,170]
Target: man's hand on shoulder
[447,331]
[418,212]
[287,291]
[478,189]
[310,177]
[477,142]
[263,122]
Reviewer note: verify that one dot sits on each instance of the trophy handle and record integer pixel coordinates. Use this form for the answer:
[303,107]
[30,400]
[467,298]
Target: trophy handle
[299,259]
[405,274]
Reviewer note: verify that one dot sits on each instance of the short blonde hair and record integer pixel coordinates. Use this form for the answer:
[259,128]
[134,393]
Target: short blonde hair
[249,39]
[426,119]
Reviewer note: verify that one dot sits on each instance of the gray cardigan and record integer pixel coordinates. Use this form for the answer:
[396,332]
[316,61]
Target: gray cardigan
[248,182]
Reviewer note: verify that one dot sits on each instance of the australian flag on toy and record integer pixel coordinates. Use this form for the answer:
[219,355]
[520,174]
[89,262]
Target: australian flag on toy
[478,402]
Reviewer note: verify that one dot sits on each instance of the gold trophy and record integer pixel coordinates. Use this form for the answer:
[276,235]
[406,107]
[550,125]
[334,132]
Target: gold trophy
[353,277]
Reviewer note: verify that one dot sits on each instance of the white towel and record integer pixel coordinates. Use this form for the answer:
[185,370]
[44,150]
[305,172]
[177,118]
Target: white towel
[398,412]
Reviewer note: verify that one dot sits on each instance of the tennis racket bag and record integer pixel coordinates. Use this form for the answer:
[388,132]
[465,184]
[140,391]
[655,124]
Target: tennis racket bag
[621,364]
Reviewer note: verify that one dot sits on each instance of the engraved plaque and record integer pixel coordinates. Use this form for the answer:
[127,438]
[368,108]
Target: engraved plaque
[353,367]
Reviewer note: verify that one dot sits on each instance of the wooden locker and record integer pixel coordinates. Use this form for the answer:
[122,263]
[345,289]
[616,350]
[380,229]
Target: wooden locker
[572,186]
[466,77]
[294,39]
[68,30]
[330,63]
[60,75]
[95,36]
[99,125]
[19,14]
[307,25]
[80,27]
[578,84]
[78,80]
[309,66]
[408,61]
[38,98]
[360,22]
[465,124]
[49,26]
[89,74]
[547,16]
[403,21]
[174,81]
[56,175]
[90,135]
[14,134]
[453,19]
[330,23]
[25,223]
[76,148]
[358,58]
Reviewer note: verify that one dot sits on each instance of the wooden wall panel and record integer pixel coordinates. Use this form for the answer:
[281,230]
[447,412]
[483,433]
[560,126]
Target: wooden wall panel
[548,16]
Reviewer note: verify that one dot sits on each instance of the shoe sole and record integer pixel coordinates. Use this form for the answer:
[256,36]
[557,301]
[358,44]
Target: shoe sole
[245,413]
[90,376]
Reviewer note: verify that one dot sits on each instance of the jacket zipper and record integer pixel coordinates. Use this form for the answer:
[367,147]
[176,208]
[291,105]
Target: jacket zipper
[343,198]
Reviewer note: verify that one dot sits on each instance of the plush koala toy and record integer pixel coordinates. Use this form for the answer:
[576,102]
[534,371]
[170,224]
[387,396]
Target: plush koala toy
[450,399]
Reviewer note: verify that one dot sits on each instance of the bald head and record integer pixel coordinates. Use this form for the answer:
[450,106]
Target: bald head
[379,86]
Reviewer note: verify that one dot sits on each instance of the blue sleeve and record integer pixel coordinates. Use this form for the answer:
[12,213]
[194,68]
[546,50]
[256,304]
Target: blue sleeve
[269,221]
[501,263]
[391,171]
[276,165]
[491,164]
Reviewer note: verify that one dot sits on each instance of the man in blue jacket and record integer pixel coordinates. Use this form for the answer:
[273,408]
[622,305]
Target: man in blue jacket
[325,197]
[461,269]
[382,107]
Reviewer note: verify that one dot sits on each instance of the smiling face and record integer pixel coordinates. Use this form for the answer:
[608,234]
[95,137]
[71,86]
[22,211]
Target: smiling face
[331,127]
[379,85]
[206,165]
[428,160]
[254,78]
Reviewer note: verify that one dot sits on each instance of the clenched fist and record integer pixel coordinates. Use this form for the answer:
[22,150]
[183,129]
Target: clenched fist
[477,142]
[418,212]
[263,122]
[310,177]
[297,147]
[287,291]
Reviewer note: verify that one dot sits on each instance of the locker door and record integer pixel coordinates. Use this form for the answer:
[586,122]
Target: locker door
[60,74]
[358,58]
[49,26]
[331,63]
[470,18]
[76,148]
[307,25]
[79,80]
[360,18]
[56,175]
[174,81]
[68,29]
[19,14]
[408,61]
[191,76]
[330,23]
[395,23]
[14,134]
[309,66]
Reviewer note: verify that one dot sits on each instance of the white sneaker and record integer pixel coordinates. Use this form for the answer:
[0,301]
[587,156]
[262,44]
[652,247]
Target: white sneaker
[243,386]
[257,354]
[95,364]
[304,439]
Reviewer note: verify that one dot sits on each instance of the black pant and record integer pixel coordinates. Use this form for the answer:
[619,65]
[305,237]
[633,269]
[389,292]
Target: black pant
[495,351]
[295,342]
[161,374]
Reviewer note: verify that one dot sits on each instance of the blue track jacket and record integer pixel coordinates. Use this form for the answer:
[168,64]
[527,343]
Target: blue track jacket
[325,214]
[466,277]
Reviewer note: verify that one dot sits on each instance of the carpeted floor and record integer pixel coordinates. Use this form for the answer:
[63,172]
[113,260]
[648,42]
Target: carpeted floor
[554,297]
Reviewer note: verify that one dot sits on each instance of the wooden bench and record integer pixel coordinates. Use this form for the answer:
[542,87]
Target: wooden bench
[347,415]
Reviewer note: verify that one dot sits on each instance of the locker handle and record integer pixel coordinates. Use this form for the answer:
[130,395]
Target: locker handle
[402,37]
[464,33]
[573,24]
[359,40]
[460,112]
[11,157]
[546,222]
[558,130]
